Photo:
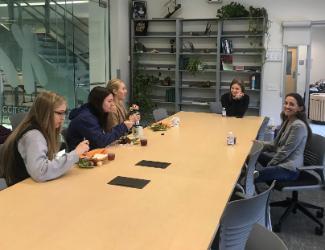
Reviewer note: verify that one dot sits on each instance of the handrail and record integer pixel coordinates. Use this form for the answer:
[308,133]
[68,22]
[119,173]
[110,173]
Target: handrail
[83,31]
[62,36]
[77,18]
[73,16]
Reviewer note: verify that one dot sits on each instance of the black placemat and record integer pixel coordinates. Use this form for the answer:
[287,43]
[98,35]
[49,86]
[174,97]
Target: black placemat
[129,182]
[153,164]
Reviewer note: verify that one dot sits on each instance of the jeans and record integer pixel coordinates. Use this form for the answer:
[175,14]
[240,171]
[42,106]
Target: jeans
[270,173]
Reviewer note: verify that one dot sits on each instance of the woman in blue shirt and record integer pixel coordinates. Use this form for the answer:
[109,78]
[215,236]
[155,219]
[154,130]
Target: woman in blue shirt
[89,121]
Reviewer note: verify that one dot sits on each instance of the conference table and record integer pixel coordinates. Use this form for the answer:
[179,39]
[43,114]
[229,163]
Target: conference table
[179,208]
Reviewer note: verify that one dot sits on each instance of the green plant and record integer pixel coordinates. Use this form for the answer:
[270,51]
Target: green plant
[194,65]
[257,25]
[232,10]
[142,87]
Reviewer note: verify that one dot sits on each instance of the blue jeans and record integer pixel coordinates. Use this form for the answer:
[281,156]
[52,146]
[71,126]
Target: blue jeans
[276,173]
[270,173]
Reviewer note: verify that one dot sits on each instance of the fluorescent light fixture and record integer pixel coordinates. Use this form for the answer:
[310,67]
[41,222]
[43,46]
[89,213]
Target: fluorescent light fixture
[41,4]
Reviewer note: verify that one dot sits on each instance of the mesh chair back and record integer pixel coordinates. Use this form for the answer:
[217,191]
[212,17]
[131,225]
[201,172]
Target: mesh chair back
[262,130]
[238,219]
[215,107]
[253,156]
[159,114]
[314,154]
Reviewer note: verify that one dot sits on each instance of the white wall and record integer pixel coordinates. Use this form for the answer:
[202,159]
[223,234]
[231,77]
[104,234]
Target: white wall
[120,40]
[98,37]
[278,10]
[317,53]
[301,70]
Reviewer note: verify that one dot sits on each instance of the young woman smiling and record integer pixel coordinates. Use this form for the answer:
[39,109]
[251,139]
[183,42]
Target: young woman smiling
[235,101]
[282,156]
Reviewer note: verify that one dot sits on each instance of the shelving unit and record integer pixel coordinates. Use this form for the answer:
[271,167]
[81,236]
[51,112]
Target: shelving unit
[199,39]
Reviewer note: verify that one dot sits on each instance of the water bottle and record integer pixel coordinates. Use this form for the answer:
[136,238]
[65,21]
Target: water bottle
[231,139]
[224,113]
[253,82]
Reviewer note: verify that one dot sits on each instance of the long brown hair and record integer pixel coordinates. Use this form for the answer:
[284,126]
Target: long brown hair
[95,99]
[301,115]
[40,116]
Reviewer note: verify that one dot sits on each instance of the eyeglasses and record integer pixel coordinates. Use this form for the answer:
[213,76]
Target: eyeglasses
[61,113]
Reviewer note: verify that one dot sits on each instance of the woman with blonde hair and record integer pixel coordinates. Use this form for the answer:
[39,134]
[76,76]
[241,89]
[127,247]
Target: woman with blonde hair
[119,113]
[30,151]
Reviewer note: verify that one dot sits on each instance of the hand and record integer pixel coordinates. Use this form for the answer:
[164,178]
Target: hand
[135,117]
[82,147]
[239,95]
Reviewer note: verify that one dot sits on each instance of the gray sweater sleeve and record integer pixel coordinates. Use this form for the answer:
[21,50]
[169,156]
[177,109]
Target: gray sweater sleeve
[33,149]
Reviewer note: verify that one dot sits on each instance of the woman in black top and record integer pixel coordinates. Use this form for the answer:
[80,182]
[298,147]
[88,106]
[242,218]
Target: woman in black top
[236,101]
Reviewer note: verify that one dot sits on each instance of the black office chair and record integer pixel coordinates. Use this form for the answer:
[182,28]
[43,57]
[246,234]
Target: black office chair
[312,177]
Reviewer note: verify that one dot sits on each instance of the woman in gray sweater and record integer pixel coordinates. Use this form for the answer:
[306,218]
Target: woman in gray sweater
[31,150]
[282,156]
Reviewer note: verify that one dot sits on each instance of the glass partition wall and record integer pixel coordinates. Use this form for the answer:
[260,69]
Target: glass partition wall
[51,45]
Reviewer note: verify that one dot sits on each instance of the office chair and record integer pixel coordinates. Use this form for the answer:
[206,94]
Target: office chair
[238,219]
[215,107]
[262,130]
[16,119]
[312,177]
[262,238]
[159,114]
[3,184]
[247,190]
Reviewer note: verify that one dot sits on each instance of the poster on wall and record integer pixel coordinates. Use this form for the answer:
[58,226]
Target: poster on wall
[139,9]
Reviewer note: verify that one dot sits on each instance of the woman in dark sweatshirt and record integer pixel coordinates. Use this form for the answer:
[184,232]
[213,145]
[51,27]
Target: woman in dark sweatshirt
[236,101]
[89,121]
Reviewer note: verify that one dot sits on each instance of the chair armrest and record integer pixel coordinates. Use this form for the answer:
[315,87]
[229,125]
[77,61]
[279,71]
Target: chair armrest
[320,167]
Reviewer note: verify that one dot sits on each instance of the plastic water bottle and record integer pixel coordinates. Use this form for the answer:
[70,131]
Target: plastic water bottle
[231,139]
[224,113]
[253,82]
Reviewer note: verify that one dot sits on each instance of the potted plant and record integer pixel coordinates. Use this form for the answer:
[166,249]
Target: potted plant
[195,65]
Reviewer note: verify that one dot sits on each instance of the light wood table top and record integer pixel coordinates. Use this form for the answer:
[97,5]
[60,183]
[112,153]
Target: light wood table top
[179,209]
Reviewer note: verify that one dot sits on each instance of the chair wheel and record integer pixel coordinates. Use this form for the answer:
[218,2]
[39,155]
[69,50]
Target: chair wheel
[319,231]
[320,214]
[276,228]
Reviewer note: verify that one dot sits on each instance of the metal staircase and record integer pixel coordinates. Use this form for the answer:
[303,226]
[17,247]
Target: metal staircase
[63,44]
